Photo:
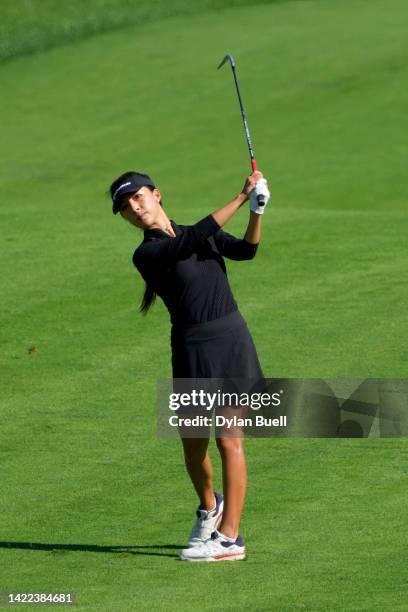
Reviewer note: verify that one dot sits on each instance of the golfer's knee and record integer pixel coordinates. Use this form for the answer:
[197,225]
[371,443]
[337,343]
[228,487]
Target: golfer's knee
[229,445]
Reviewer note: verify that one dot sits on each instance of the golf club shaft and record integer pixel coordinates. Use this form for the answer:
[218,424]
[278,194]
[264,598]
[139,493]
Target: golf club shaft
[261,198]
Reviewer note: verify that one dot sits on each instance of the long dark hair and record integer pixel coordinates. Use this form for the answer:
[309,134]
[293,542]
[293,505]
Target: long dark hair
[149,296]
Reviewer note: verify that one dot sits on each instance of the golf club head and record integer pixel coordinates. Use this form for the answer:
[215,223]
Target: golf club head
[230,59]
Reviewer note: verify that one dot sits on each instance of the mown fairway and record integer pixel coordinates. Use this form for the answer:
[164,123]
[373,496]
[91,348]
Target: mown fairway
[92,501]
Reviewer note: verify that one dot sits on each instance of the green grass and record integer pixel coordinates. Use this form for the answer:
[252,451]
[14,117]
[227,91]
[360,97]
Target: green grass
[325,88]
[29,26]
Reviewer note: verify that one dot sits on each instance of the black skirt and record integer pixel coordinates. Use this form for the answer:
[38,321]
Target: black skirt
[222,348]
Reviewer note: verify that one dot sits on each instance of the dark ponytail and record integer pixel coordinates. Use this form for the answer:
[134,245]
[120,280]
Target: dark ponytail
[149,296]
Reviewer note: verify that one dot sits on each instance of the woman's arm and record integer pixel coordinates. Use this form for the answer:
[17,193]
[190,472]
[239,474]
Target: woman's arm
[234,248]
[224,214]
[230,246]
[253,233]
[240,249]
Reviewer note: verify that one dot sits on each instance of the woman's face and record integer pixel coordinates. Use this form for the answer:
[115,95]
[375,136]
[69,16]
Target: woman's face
[141,208]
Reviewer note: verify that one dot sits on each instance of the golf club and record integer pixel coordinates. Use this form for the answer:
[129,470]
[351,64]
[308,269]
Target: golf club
[261,198]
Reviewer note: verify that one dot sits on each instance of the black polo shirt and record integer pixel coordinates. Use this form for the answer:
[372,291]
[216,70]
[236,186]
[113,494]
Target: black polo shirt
[188,271]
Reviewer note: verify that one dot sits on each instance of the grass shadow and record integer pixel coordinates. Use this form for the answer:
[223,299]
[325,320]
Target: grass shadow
[154,550]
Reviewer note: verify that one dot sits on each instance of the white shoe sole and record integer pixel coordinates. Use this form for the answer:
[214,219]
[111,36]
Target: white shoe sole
[230,557]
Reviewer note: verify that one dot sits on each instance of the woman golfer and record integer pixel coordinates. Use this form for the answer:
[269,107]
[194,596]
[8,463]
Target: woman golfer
[184,265]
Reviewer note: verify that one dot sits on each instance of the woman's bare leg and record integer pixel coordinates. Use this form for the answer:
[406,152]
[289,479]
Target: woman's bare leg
[199,468]
[234,478]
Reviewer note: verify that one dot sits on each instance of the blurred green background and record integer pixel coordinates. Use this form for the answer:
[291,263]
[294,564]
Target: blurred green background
[92,89]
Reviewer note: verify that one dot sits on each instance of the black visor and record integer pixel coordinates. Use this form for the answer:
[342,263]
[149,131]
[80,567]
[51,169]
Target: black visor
[133,184]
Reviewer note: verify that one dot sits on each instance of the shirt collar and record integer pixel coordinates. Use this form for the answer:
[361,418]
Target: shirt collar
[156,233]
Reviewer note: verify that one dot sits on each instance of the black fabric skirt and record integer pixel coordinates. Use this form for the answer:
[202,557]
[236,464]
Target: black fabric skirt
[222,348]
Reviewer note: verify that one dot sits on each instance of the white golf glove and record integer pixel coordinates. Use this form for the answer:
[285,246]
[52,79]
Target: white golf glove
[261,188]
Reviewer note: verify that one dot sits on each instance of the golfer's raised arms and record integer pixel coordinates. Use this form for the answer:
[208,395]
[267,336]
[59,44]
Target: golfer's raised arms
[184,264]
[255,187]
[160,250]
[224,214]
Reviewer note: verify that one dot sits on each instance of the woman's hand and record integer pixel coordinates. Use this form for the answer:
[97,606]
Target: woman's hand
[251,182]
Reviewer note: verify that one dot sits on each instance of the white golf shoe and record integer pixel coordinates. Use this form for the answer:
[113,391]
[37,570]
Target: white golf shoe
[206,522]
[216,548]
